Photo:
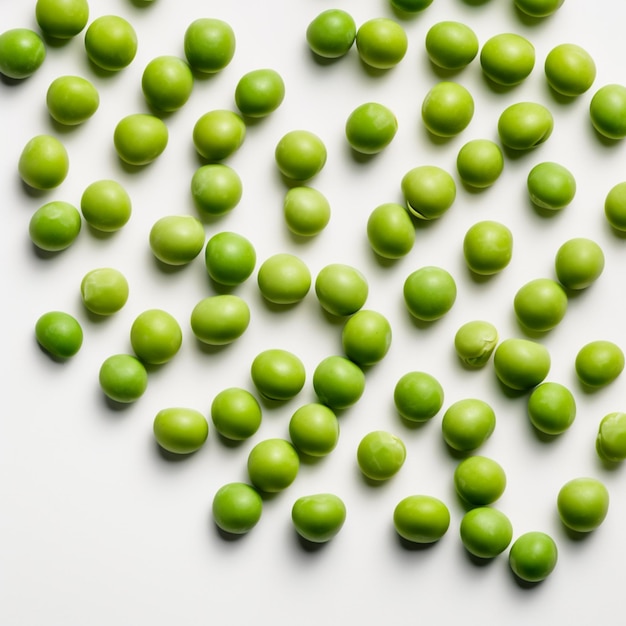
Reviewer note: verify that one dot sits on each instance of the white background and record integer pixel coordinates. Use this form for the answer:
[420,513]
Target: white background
[98,527]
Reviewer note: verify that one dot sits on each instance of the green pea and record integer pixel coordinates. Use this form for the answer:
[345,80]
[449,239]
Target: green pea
[111,42]
[551,408]
[140,138]
[273,465]
[611,438]
[167,83]
[229,258]
[421,519]
[569,69]
[487,247]
[429,293]
[278,374]
[486,532]
[370,128]
[467,424]
[447,109]
[380,455]
[300,155]
[60,334]
[177,239]
[390,231]
[61,19]
[341,289]
[216,189]
[525,125]
[155,336]
[615,207]
[533,556]
[104,291]
[521,364]
[209,44]
[306,211]
[479,480]
[314,429]
[338,382]
[284,279]
[475,342]
[418,396]
[22,52]
[318,517]
[55,226]
[72,100]
[180,430]
[429,191]
[381,43]
[237,508]
[106,205]
[479,163]
[540,304]
[43,162]
[259,93]
[451,45]
[599,363]
[538,8]
[123,378]
[507,59]
[607,111]
[579,262]
[551,186]
[236,413]
[331,33]
[218,134]
[366,337]
[219,320]
[411,6]
[583,504]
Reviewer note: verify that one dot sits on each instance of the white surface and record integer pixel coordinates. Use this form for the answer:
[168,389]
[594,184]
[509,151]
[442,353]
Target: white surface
[98,528]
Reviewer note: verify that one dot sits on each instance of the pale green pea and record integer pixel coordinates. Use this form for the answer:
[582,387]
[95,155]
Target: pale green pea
[104,291]
[479,480]
[341,289]
[338,382]
[599,363]
[569,69]
[278,374]
[106,205]
[55,226]
[284,278]
[237,508]
[180,430]
[467,424]
[306,211]
[273,465]
[380,455]
[447,109]
[525,125]
[418,396]
[421,519]
[607,111]
[220,320]
[318,517]
[390,231]
[451,45]
[177,239]
[551,186]
[381,43]
[140,138]
[366,337]
[314,429]
[479,163]
[488,247]
[486,532]
[236,413]
[331,33]
[370,128]
[507,59]
[533,556]
[475,342]
[429,293]
[72,100]
[579,262]
[611,438]
[429,191]
[583,504]
[521,364]
[551,408]
[540,304]
[123,378]
[216,189]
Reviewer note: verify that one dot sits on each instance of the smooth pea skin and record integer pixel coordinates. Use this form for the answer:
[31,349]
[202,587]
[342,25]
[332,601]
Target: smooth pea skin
[300,155]
[219,320]
[611,438]
[123,378]
[467,424]
[306,211]
[61,19]
[578,263]
[140,138]
[538,8]
[111,42]
[72,100]
[331,33]
[488,247]
[380,455]
[507,59]
[525,125]
[155,336]
[475,342]
[583,504]
[217,134]
[429,191]
[259,93]
[209,44]
[180,430]
[167,83]
[533,556]
[236,414]
[447,109]
[551,186]
[381,43]
[540,304]
[338,382]
[278,374]
[429,293]
[106,205]
[479,163]
[177,239]
[418,396]
[284,278]
[341,289]
[237,508]
[230,258]
[451,45]
[370,128]
[486,532]
[55,226]
[104,291]
[551,408]
[59,334]
[216,189]
[521,364]
[607,111]
[569,69]
[44,162]
[22,52]
[390,231]
[273,465]
[421,519]
[366,337]
[318,517]
[314,429]
[479,480]
[599,363]
[615,207]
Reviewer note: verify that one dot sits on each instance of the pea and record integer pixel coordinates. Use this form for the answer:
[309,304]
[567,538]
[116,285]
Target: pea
[599,363]
[22,52]
[479,163]
[43,162]
[507,59]
[123,378]
[429,293]
[341,289]
[451,45]
[551,186]
[533,556]
[447,109]
[569,69]
[278,374]
[381,43]
[583,504]
[380,455]
[273,465]
[338,382]
[259,93]
[104,291]
[60,334]
[318,518]
[55,226]
[475,342]
[467,424]
[551,408]
[607,111]
[284,279]
[521,364]
[525,125]
[111,42]
[219,320]
[486,532]
[314,429]
[371,127]
[421,519]
[611,438]
[540,304]
[209,44]
[177,239]
[72,100]
[216,189]
[155,336]
[418,396]
[237,508]
[331,33]
[300,155]
[219,133]
[479,480]
[106,205]
[140,138]
[180,430]
[579,262]
[229,258]
[236,413]
[390,231]
[366,337]
[615,207]
[61,19]
[487,247]
[167,83]
[538,8]
[306,211]
[411,6]
[429,191]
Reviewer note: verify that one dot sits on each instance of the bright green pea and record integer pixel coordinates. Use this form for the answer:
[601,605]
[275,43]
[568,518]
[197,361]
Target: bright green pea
[429,191]
[218,134]
[273,465]
[525,125]
[390,231]
[22,52]
[599,363]
[447,109]
[485,532]
[318,517]
[479,163]
[338,382]
[216,189]
[259,93]
[607,111]
[551,186]
[533,556]
[180,430]
[209,44]
[111,42]
[569,69]
[155,336]
[475,342]
[341,289]
[140,138]
[615,207]
[411,6]
[44,162]
[381,43]
[123,378]
[429,293]
[487,247]
[167,83]
[370,128]
[177,239]
[380,455]
[579,262]
[540,304]
[300,155]
[418,396]
[60,334]
[314,429]
[229,258]
[106,205]
[236,413]
[104,291]
[71,100]
[538,8]
[55,226]
[451,45]
[278,374]
[611,438]
[507,59]
[551,408]
[331,33]
[421,519]
[366,337]
[219,320]
[467,424]
[479,480]
[306,211]
[62,19]
[583,504]
[237,508]
[521,364]
[284,279]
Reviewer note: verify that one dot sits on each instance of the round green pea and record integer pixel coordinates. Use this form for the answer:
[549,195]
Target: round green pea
[217,134]
[411,6]
[429,293]
[380,455]
[167,83]
[338,382]
[318,517]
[551,186]
[278,374]
[521,364]
[615,207]
[538,8]
[273,465]
[607,111]
[331,33]
[475,342]
[123,378]
[111,42]
[72,100]
[479,480]
[22,52]
[551,408]
[429,191]
[486,532]
[61,19]
[533,556]
[579,262]
[371,127]
[259,93]
[209,44]
[219,320]
[230,258]
[479,163]
[104,291]
[314,429]
[447,109]
[390,231]
[451,45]
[366,337]
[284,278]
[569,69]
[155,336]
[467,424]
[540,304]
[106,205]
[421,519]
[300,155]
[599,363]
[418,396]
[611,438]
[216,189]
[55,226]
[306,211]
[507,59]
[236,413]
[44,162]
[583,504]
[381,43]
[341,289]
[525,125]
[487,247]
[140,138]
[60,334]
[237,508]
[180,430]
[177,239]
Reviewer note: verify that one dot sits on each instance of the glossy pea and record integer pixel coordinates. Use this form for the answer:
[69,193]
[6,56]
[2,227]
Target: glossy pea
[507,58]
[607,111]
[418,396]
[44,162]
[167,83]
[583,504]
[319,517]
[71,100]
[300,155]
[218,133]
[230,258]
[479,480]
[278,374]
[236,508]
[111,42]
[486,532]
[366,337]
[106,205]
[380,455]
[525,125]
[259,92]
[429,191]
[540,304]
[551,185]
[273,464]
[331,33]
[551,408]
[209,44]
[429,293]
[599,363]
[390,231]
[216,189]
[177,239]
[479,163]
[180,430]
[236,414]
[55,226]
[59,333]
[104,290]
[488,247]
[381,43]
[314,429]
[338,382]
[578,263]
[155,336]
[447,109]
[451,45]
[22,52]
[61,19]
[140,138]
[521,364]
[219,320]
[284,278]
[421,519]
[123,378]
[371,127]
[538,8]
[615,207]
[533,556]
[306,211]
[467,424]
[570,70]
[341,289]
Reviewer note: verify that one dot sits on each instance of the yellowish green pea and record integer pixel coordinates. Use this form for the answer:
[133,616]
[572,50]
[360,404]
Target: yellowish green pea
[486,532]
[331,33]
[180,430]
[306,211]
[209,44]
[22,52]
[314,429]
[106,205]
[475,342]
[216,189]
[421,519]
[219,133]
[411,6]
[237,508]
[167,83]
[284,278]
[599,363]
[551,408]
[467,424]
[59,333]
[607,111]
[319,517]
[615,207]
[236,414]
[219,320]
[366,337]
[578,263]
[278,374]
[273,465]
[447,109]
[140,138]
[390,231]
[259,92]
[479,163]
[488,247]
[55,226]
[72,100]
[611,438]
[61,19]
[155,336]
[230,258]
[479,480]
[123,378]
[507,58]
[43,163]
[338,382]
[104,291]
[371,127]
[380,455]
[551,185]
[570,70]
[177,239]
[521,364]
[533,556]
[111,42]
[429,293]
[451,45]
[418,396]
[525,125]
[583,504]
[300,155]
[341,289]
[429,191]
[538,8]
[381,43]
[540,304]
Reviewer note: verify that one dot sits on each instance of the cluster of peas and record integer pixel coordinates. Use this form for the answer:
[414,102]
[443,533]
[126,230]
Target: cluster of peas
[429,292]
